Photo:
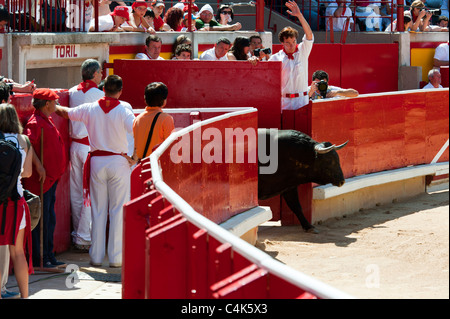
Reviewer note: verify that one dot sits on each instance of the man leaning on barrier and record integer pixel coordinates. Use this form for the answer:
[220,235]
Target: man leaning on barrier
[320,89]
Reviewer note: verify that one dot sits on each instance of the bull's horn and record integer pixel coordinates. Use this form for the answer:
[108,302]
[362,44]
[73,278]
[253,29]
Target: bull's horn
[337,148]
[321,149]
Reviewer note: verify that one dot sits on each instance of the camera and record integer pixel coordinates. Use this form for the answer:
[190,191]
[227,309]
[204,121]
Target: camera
[322,86]
[435,12]
[265,50]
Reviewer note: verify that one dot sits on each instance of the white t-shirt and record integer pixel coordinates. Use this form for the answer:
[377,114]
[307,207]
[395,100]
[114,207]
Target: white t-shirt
[144,56]
[77,97]
[441,52]
[430,86]
[107,132]
[338,23]
[294,75]
[210,55]
[105,23]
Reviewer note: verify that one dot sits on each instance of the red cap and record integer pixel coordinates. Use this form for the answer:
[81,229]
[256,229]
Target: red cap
[121,11]
[139,3]
[45,94]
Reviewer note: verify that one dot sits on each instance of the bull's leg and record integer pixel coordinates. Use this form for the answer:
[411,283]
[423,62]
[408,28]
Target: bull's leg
[291,198]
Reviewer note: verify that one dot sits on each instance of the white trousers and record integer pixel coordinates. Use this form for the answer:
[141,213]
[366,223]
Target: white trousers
[109,191]
[81,215]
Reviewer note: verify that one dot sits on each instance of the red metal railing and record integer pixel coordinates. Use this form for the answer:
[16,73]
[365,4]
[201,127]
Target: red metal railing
[74,15]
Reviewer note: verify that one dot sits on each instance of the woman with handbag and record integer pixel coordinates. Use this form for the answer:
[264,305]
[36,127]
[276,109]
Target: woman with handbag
[15,218]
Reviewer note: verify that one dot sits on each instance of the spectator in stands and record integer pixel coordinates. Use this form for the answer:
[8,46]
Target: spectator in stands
[406,21]
[294,74]
[225,14]
[256,43]
[27,87]
[419,16]
[339,13]
[185,23]
[155,98]
[149,16]
[85,92]
[111,22]
[152,49]
[174,18]
[240,51]
[386,9]
[16,231]
[4,17]
[107,170]
[443,21]
[181,39]
[433,28]
[137,22]
[54,161]
[332,91]
[441,55]
[369,12]
[434,80]
[206,22]
[158,22]
[219,52]
[183,52]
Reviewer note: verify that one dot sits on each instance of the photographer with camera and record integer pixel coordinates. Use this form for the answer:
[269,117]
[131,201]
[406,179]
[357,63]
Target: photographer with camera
[258,50]
[320,89]
[420,16]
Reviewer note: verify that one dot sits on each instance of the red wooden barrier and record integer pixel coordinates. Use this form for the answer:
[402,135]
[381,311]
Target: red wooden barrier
[195,84]
[367,68]
[407,128]
[25,109]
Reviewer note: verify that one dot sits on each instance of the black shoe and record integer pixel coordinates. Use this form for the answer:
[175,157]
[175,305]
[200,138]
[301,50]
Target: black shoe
[56,263]
[48,264]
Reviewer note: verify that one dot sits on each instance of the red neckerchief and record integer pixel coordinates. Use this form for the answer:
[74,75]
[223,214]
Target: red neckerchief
[108,103]
[290,55]
[86,85]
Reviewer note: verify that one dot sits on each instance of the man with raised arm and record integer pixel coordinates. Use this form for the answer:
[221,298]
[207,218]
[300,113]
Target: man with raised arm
[294,74]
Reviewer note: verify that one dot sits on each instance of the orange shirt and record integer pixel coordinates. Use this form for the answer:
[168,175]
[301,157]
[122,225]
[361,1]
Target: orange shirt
[141,128]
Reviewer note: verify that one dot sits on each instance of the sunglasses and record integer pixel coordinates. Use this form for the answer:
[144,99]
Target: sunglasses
[226,12]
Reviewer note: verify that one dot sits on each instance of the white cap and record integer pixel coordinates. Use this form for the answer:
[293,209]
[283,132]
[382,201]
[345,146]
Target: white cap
[179,5]
[158,4]
[206,7]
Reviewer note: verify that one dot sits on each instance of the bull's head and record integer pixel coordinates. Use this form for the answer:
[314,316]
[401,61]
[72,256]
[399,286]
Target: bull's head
[328,165]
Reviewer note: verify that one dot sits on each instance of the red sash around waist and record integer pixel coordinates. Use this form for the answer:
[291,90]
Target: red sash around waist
[84,140]
[87,173]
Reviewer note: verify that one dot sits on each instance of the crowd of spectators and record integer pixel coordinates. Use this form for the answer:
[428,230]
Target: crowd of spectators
[155,15]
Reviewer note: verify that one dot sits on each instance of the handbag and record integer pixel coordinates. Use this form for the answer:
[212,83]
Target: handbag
[34,204]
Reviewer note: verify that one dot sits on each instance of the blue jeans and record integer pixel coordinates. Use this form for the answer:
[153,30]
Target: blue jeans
[49,222]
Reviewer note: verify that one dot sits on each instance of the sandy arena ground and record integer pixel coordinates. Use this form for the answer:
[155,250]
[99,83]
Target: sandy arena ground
[399,250]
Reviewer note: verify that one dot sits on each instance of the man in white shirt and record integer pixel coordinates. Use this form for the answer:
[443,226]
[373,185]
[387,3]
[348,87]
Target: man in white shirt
[85,92]
[294,74]
[107,170]
[339,12]
[153,45]
[441,55]
[219,52]
[434,77]
[111,22]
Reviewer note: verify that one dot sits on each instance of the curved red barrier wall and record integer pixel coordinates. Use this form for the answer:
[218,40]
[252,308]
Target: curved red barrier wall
[24,108]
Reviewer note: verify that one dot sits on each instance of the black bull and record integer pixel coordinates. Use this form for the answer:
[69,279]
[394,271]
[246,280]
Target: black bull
[300,160]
